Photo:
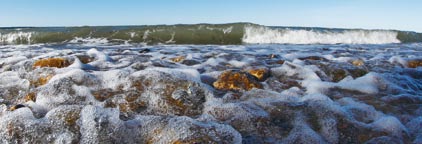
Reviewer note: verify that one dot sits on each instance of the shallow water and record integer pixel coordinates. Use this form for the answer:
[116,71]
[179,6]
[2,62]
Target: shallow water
[166,94]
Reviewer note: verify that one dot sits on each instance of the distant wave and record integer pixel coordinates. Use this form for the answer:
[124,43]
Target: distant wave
[221,34]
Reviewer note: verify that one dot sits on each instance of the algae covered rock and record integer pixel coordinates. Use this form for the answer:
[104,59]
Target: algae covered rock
[236,80]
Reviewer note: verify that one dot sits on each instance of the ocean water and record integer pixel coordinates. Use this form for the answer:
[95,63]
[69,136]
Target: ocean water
[157,84]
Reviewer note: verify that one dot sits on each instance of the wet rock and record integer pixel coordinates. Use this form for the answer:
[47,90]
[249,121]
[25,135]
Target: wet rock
[178,59]
[338,74]
[52,62]
[42,80]
[350,132]
[260,73]
[103,94]
[146,50]
[338,71]
[181,130]
[85,58]
[160,93]
[274,62]
[414,63]
[32,96]
[163,63]
[65,118]
[358,72]
[139,66]
[235,80]
[190,62]
[272,56]
[208,79]
[313,58]
[15,107]
[358,62]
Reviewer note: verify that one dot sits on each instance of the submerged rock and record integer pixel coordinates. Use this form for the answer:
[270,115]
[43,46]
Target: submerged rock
[157,93]
[358,62]
[42,80]
[414,63]
[142,51]
[260,73]
[235,80]
[52,62]
[32,96]
[337,72]
[190,62]
[85,58]
[15,107]
[313,58]
[178,59]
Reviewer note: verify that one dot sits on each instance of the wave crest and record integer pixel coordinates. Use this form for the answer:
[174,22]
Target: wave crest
[260,34]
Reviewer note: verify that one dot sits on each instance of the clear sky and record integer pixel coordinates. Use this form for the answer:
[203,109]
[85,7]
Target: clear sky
[370,14]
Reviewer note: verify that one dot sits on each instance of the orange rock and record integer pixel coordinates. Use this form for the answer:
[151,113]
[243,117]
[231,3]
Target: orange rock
[103,94]
[41,80]
[15,107]
[261,73]
[30,97]
[358,62]
[52,62]
[233,80]
[414,63]
[177,59]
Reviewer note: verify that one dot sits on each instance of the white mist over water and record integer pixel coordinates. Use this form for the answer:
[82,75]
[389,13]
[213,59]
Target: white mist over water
[262,35]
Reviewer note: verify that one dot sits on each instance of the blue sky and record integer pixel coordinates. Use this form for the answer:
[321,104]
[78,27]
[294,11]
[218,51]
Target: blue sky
[370,14]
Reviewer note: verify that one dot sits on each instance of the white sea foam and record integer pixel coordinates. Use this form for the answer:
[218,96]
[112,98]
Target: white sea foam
[262,35]
[313,113]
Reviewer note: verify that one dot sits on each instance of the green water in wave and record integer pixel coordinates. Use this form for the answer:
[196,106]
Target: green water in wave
[171,34]
[220,34]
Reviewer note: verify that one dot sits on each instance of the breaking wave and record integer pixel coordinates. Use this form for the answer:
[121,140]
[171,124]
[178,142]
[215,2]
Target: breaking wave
[254,34]
[220,34]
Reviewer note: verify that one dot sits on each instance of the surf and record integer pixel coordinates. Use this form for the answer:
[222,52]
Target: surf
[204,34]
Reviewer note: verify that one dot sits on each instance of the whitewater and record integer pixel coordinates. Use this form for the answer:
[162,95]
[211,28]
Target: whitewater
[229,83]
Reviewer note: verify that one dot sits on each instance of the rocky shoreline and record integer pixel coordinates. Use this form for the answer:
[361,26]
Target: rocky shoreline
[211,94]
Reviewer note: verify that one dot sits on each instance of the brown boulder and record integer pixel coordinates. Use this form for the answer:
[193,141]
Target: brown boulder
[235,80]
[261,73]
[414,63]
[85,59]
[42,80]
[177,59]
[51,62]
[30,97]
[358,62]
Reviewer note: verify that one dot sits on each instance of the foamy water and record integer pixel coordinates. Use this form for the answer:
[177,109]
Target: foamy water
[164,94]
